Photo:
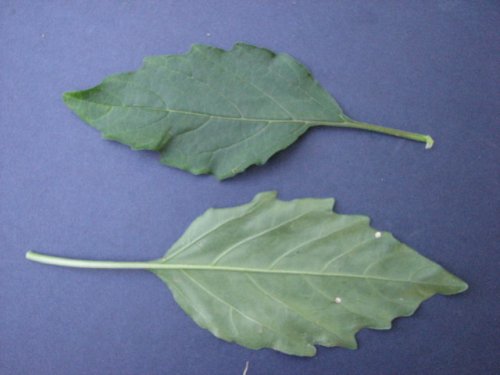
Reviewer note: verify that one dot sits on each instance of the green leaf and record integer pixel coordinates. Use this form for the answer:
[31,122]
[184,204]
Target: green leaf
[289,275]
[212,111]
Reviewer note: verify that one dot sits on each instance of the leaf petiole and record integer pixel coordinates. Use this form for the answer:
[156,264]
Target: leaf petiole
[81,263]
[353,124]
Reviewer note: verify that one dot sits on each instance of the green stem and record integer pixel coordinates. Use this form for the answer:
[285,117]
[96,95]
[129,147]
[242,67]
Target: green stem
[352,124]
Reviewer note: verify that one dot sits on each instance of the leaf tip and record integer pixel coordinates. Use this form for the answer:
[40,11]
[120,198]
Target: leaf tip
[465,287]
[68,96]
[455,285]
[462,286]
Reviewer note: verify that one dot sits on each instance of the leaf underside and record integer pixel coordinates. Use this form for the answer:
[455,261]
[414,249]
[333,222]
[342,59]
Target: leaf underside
[209,110]
[289,275]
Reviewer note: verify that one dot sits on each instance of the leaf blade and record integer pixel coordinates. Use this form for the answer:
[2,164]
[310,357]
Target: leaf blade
[322,295]
[213,111]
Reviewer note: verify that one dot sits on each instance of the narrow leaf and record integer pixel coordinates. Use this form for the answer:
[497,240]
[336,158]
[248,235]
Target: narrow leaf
[214,111]
[290,275]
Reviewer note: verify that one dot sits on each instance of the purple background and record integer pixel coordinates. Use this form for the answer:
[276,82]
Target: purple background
[430,67]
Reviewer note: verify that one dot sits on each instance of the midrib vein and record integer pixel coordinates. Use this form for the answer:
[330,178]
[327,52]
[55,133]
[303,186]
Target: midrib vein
[221,117]
[154,265]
